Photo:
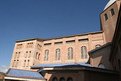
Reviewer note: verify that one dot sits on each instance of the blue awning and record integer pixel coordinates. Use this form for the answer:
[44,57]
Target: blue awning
[24,74]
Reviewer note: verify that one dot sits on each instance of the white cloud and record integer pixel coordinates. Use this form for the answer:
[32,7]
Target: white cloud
[4,69]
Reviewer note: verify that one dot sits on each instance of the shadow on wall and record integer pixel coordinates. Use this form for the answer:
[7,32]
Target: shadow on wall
[63,75]
[81,74]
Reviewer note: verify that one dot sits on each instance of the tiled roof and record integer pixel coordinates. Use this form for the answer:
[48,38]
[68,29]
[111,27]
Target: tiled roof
[75,66]
[24,74]
[58,65]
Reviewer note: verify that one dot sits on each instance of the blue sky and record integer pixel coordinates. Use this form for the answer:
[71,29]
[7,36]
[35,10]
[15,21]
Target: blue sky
[22,19]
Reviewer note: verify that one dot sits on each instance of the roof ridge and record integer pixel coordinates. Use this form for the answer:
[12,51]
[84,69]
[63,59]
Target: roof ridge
[21,69]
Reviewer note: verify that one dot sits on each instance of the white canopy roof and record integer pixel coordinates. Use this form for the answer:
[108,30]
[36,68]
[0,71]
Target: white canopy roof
[109,3]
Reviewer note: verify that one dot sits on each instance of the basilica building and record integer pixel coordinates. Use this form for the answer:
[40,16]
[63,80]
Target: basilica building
[80,57]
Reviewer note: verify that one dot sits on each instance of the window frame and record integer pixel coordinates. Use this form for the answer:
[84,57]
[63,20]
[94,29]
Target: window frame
[84,52]
[112,12]
[46,55]
[57,54]
[70,53]
[106,16]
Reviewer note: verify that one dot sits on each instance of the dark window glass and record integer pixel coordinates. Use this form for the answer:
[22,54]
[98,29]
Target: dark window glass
[69,79]
[112,12]
[62,79]
[54,79]
[106,17]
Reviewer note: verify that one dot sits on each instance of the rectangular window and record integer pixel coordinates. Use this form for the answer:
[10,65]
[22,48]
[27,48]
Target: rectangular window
[112,12]
[70,41]
[106,17]
[30,45]
[86,39]
[46,44]
[58,42]
[19,46]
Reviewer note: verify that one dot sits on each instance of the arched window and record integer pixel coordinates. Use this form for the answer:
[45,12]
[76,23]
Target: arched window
[24,63]
[29,55]
[57,54]
[16,64]
[69,79]
[112,12]
[54,79]
[97,46]
[39,56]
[36,55]
[83,52]
[46,55]
[106,16]
[62,79]
[18,54]
[28,63]
[15,55]
[70,53]
[101,66]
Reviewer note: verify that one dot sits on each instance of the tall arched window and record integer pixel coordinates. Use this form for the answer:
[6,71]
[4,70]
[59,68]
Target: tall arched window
[112,12]
[62,79]
[39,56]
[70,53]
[69,79]
[106,16]
[83,52]
[36,55]
[28,63]
[54,79]
[46,55]
[57,54]
[24,63]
